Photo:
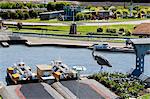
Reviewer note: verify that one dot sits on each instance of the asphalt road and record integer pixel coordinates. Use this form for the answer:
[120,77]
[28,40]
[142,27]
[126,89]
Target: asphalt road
[82,91]
[35,91]
[82,24]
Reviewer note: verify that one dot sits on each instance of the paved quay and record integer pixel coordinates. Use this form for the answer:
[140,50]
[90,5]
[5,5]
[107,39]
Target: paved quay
[33,91]
[71,89]
[35,41]
[88,89]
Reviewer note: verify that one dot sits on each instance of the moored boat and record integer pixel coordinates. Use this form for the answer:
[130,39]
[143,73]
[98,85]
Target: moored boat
[20,73]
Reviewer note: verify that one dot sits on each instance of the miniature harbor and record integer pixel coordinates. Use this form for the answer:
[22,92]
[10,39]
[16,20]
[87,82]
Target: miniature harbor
[55,81]
[55,86]
[7,40]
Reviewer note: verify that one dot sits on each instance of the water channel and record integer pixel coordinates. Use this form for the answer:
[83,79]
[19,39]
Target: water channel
[121,62]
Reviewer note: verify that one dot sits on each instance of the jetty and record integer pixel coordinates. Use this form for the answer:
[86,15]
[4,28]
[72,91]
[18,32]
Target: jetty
[7,38]
[36,41]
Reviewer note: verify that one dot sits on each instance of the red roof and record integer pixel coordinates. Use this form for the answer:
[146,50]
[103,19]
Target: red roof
[142,29]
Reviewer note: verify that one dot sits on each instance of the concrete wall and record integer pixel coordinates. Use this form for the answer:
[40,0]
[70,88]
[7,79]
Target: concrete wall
[3,92]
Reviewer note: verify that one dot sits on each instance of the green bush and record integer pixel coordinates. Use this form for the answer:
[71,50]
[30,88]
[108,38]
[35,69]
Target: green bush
[51,6]
[119,83]
[79,16]
[20,14]
[13,15]
[127,33]
[112,8]
[5,15]
[26,15]
[99,30]
[33,13]
[88,16]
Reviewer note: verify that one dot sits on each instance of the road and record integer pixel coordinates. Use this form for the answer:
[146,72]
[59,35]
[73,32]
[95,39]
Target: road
[83,23]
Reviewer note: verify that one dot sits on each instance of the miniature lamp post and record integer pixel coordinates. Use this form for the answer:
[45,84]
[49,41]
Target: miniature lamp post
[73,27]
[131,8]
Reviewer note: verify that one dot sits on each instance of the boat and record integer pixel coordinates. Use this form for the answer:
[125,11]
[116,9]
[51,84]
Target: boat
[20,73]
[55,70]
[99,47]
[107,47]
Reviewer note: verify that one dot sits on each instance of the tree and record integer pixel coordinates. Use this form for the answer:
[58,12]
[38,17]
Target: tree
[79,16]
[20,14]
[51,6]
[112,8]
[13,15]
[33,14]
[29,5]
[26,15]
[19,5]
[5,15]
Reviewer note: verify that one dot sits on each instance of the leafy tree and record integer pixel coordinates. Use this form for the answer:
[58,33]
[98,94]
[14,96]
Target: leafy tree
[29,5]
[112,8]
[26,15]
[80,16]
[5,15]
[14,15]
[33,14]
[19,5]
[59,5]
[50,6]
[20,14]
[88,16]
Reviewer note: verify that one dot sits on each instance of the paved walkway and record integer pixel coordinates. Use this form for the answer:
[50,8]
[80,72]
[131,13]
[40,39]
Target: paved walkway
[35,41]
[83,23]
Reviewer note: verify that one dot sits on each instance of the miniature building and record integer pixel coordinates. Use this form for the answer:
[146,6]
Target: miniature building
[70,11]
[142,30]
[104,14]
[51,15]
[44,71]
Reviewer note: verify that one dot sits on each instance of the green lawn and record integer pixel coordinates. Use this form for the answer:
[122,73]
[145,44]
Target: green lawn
[147,96]
[83,30]
[38,20]
[56,21]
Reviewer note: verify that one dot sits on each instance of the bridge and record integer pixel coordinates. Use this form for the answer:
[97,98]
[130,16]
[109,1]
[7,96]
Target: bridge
[141,46]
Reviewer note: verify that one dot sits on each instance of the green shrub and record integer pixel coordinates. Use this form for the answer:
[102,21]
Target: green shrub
[119,83]
[33,13]
[127,33]
[26,15]
[13,15]
[122,29]
[88,16]
[79,16]
[5,15]
[20,14]
[99,30]
[112,8]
